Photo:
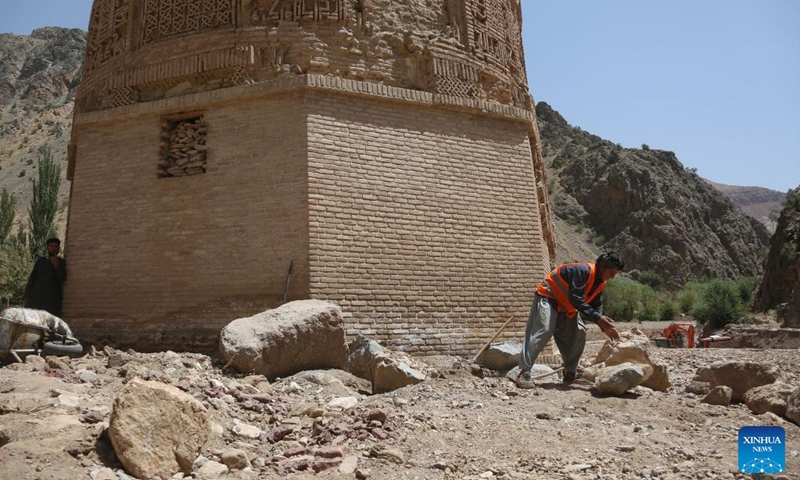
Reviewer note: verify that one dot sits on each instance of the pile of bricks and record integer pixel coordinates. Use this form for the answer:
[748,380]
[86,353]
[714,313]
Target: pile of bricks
[183,148]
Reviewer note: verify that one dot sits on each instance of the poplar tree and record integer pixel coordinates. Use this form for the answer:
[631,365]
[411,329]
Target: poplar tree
[7,204]
[44,203]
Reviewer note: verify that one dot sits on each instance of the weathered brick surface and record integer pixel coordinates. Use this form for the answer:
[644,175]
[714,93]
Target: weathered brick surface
[424,223]
[421,221]
[158,262]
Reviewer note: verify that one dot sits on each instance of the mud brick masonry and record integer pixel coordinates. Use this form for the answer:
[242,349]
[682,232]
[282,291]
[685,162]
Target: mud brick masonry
[388,148]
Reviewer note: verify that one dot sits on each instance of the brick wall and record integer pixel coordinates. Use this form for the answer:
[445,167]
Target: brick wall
[166,262]
[424,222]
[417,213]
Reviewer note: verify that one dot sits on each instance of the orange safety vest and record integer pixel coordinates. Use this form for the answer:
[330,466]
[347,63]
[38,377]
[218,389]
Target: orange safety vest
[555,287]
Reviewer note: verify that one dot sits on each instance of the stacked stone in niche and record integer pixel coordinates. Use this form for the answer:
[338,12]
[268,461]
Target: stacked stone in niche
[183,148]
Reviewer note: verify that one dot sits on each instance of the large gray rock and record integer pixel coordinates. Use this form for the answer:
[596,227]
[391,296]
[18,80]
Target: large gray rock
[768,398]
[793,406]
[501,356]
[156,429]
[742,376]
[301,335]
[633,347]
[386,369]
[618,379]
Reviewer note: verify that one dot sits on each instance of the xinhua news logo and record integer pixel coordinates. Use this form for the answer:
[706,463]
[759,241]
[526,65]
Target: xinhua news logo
[762,450]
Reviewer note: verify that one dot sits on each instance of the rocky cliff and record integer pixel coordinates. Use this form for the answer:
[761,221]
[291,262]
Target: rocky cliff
[780,285]
[44,66]
[662,217]
[39,75]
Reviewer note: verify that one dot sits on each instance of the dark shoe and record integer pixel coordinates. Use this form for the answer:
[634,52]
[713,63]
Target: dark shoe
[524,380]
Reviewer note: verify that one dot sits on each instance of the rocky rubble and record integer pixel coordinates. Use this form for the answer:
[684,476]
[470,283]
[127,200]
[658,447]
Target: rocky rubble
[56,418]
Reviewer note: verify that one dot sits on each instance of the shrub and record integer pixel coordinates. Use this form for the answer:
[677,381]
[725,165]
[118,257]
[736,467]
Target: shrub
[687,299]
[668,311]
[747,287]
[651,279]
[720,304]
[645,147]
[620,299]
[649,303]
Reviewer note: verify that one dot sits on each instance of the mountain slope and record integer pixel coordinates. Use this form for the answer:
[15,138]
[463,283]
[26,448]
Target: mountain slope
[644,204]
[760,203]
[780,286]
[38,78]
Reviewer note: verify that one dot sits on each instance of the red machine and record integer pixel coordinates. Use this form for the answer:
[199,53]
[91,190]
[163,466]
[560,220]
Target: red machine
[677,335]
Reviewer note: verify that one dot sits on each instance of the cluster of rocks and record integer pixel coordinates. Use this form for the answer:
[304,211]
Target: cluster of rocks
[617,368]
[183,148]
[764,388]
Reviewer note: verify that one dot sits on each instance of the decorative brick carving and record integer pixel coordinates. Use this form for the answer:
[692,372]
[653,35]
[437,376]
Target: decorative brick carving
[120,97]
[165,18]
[183,147]
[108,32]
[272,12]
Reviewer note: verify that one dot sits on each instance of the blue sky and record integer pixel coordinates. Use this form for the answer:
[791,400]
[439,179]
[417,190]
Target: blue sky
[715,81]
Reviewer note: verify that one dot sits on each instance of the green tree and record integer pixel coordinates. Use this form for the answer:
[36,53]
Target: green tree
[7,204]
[620,299]
[747,287]
[15,266]
[650,304]
[44,202]
[720,304]
[668,312]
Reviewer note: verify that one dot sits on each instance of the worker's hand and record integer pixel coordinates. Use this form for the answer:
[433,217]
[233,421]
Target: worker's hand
[606,325]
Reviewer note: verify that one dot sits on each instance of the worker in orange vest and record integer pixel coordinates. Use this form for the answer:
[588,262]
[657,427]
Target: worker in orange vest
[568,295]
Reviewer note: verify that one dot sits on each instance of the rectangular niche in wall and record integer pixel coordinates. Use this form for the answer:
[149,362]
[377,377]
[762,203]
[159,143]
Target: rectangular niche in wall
[183,149]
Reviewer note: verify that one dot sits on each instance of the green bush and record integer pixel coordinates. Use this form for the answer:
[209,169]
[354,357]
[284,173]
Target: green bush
[747,287]
[720,304]
[687,299]
[651,279]
[620,299]
[668,311]
[649,303]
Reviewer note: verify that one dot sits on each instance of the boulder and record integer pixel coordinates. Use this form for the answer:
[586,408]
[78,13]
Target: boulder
[156,429]
[742,376]
[501,356]
[768,398]
[633,348]
[301,335]
[718,396]
[386,369]
[793,406]
[618,379]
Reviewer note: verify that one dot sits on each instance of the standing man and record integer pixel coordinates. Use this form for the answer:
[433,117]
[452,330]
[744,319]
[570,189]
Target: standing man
[569,290]
[43,290]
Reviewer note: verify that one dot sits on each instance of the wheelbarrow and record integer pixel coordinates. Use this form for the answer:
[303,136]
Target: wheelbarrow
[27,331]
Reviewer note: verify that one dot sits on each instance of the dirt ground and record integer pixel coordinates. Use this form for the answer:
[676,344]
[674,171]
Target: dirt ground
[455,426]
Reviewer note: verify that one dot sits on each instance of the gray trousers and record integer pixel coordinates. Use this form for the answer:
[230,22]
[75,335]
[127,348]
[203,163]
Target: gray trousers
[544,323]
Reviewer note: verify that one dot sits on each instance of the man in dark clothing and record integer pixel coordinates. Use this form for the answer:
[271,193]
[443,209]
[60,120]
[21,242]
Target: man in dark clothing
[43,290]
[569,290]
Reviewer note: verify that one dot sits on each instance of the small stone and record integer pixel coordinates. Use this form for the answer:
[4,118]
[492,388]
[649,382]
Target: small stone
[246,431]
[379,415]
[363,473]
[625,448]
[235,459]
[343,403]
[440,465]
[349,465]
